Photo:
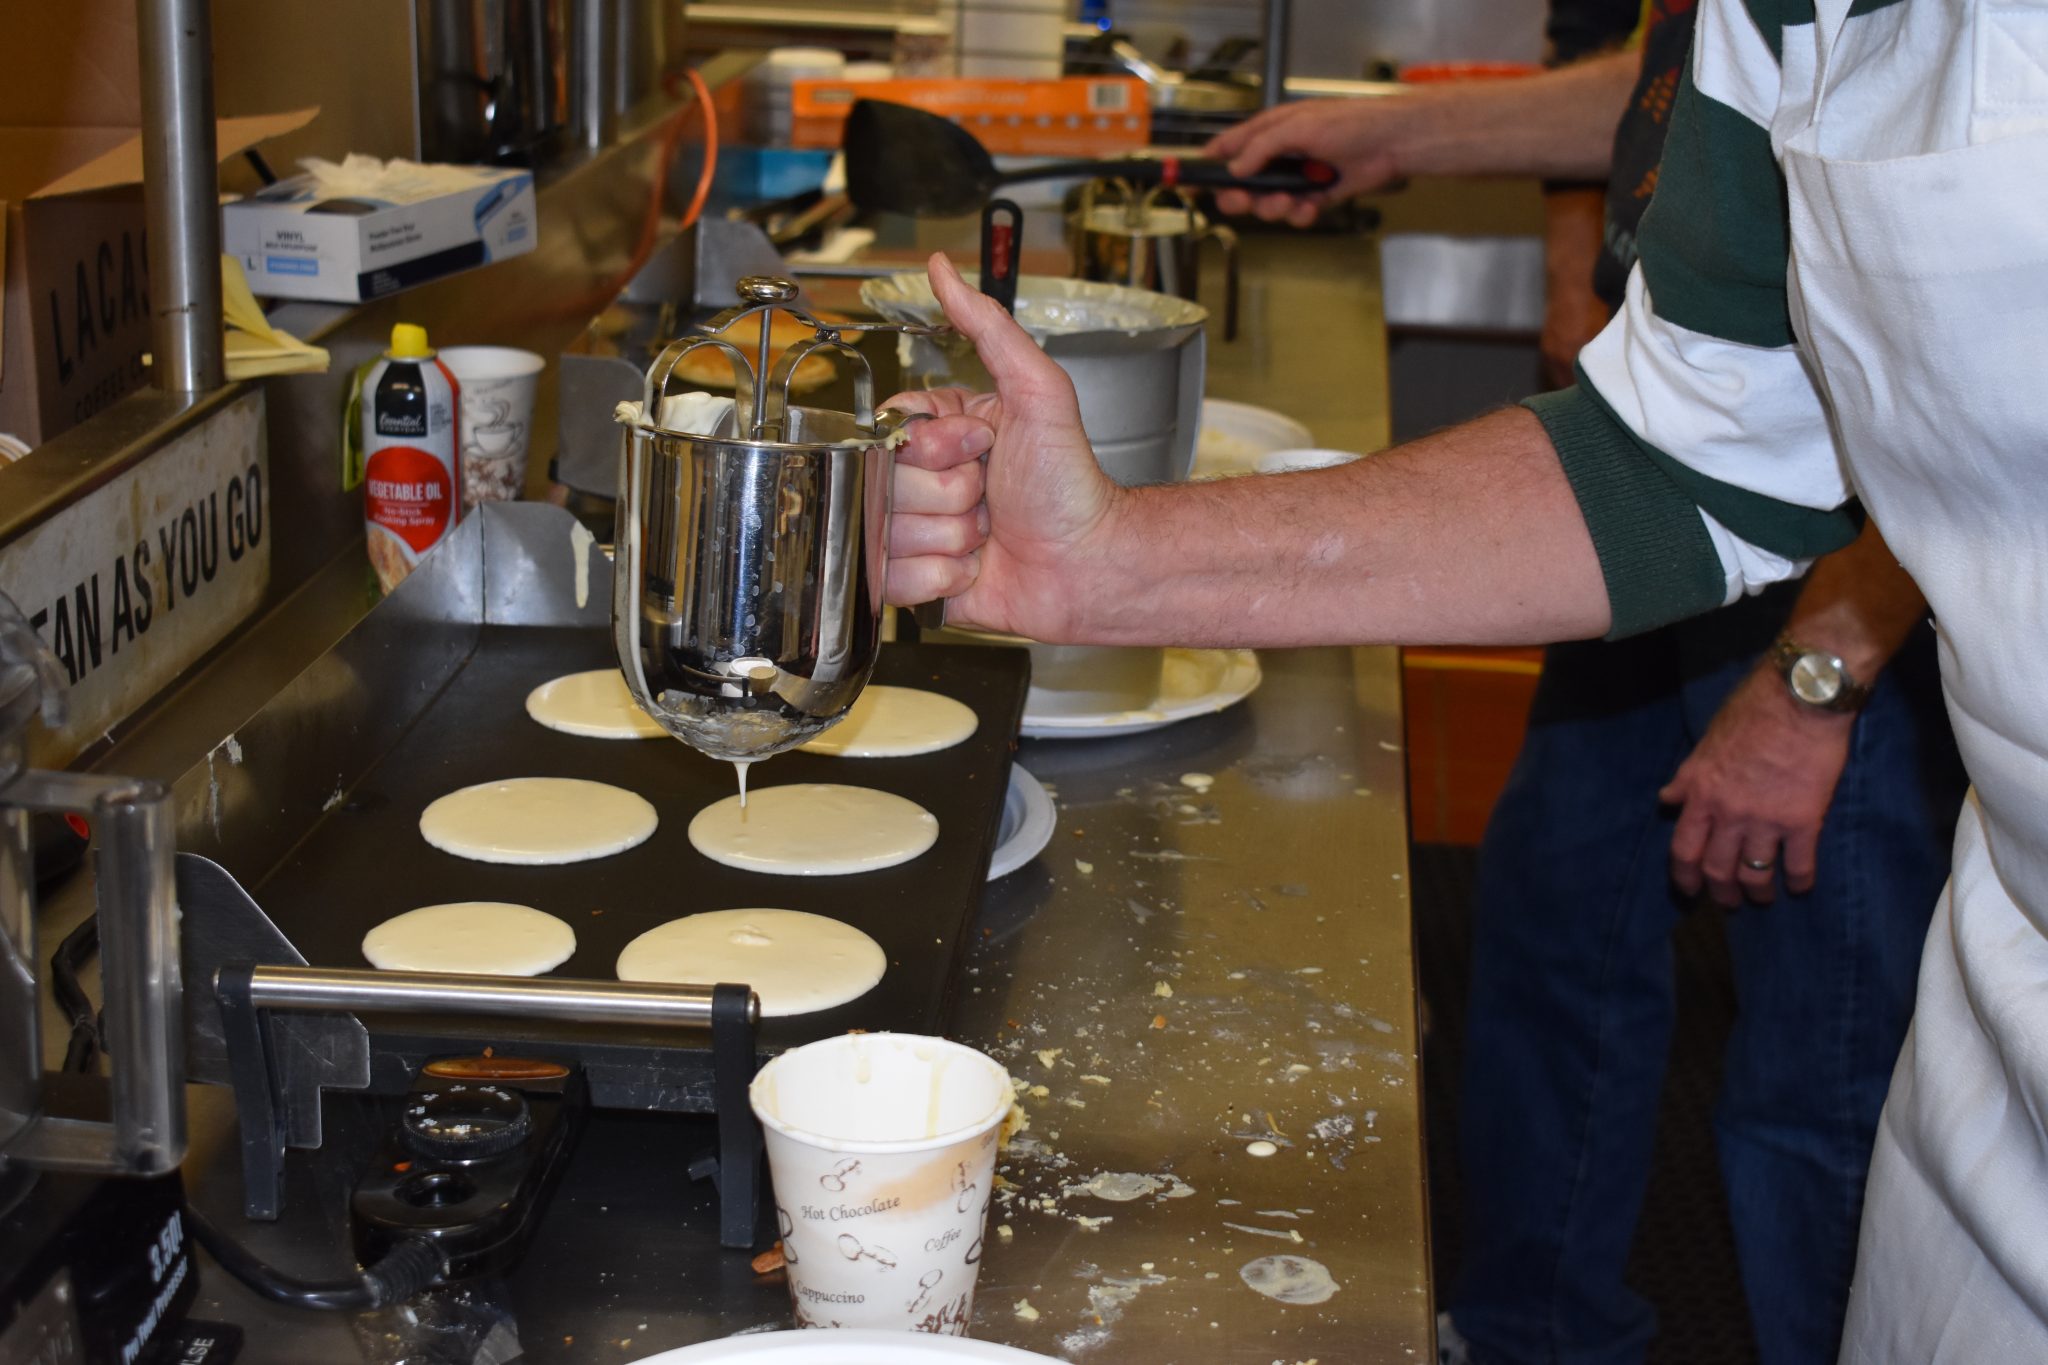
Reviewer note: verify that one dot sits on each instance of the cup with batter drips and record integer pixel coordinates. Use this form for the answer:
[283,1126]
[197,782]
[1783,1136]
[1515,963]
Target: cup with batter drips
[881,1151]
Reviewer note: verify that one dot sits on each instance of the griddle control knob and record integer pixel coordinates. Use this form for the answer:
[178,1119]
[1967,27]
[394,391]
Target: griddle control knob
[459,1122]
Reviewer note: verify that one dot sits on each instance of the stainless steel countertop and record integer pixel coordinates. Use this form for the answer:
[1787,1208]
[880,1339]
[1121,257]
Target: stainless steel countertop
[1272,903]
[1274,908]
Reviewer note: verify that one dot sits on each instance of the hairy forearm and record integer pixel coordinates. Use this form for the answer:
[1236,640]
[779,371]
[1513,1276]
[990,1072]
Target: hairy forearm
[1470,536]
[1558,125]
[1858,604]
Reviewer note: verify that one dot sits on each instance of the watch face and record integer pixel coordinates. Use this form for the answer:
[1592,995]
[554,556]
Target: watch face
[1815,679]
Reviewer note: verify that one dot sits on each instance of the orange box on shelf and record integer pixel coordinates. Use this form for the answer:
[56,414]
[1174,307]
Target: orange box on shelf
[1075,116]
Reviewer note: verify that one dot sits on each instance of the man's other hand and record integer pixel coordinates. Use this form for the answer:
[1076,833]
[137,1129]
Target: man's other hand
[1755,791]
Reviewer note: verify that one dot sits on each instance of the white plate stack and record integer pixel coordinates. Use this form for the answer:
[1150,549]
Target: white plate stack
[1011,37]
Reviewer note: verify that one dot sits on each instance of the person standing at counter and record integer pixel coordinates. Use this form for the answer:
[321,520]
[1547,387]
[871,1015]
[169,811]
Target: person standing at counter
[1846,807]
[1838,296]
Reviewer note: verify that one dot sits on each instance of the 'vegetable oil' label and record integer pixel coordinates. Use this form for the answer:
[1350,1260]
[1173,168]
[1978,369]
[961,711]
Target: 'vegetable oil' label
[409,494]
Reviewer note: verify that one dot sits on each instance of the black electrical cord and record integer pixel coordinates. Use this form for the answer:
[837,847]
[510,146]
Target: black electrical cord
[77,949]
[410,1266]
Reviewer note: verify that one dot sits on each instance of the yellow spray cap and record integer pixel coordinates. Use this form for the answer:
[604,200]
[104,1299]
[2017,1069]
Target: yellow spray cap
[409,342]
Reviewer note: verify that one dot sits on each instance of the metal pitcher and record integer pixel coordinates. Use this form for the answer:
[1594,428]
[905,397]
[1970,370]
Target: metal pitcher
[1149,240]
[747,601]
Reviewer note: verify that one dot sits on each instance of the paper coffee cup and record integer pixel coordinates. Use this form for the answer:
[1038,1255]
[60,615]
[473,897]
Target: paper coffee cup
[882,1151]
[496,418]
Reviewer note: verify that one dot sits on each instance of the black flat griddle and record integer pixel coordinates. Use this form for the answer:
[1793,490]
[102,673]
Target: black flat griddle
[365,860]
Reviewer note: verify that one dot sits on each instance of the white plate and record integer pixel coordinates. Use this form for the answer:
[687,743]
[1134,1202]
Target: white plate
[1194,682]
[1028,823]
[851,1346]
[1234,435]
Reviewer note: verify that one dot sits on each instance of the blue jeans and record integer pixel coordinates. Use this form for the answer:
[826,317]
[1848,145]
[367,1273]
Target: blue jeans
[1572,1000]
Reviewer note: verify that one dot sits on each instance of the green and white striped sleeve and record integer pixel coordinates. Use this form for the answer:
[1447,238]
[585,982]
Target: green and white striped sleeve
[1695,440]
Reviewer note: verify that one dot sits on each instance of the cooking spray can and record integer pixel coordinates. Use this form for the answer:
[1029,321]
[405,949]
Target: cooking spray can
[412,480]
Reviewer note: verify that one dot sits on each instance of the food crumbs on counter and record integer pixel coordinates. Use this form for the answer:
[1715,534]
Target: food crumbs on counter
[1085,869]
[769,1261]
[1200,782]
[1287,1235]
[1092,1079]
[1299,1069]
[1260,1148]
[1158,1021]
[1091,1224]
[1047,1056]
[1163,990]
[1361,791]
[1005,1232]
[1025,1312]
[1039,1092]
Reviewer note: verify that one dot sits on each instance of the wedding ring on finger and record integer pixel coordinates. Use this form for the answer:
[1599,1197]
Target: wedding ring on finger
[1759,864]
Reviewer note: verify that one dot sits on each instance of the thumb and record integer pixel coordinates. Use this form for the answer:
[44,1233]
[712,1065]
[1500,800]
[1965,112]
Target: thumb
[1007,351]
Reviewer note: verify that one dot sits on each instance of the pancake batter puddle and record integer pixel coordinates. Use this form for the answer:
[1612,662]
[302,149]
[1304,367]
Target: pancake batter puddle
[1289,1279]
[537,820]
[897,722]
[491,937]
[814,829]
[594,704]
[795,962]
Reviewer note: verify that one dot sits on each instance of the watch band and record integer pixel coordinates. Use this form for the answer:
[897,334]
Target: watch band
[1787,654]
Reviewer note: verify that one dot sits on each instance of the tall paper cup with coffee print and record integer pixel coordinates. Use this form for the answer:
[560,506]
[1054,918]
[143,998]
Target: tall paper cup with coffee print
[496,431]
[882,1149]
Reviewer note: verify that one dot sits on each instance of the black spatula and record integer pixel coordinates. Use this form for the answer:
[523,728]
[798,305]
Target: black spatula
[908,161]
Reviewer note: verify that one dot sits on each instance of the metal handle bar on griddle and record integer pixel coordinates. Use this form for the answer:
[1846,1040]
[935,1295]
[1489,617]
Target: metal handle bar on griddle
[247,991]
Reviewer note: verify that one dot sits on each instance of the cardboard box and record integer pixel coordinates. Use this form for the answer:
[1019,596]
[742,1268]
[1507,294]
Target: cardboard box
[75,315]
[1073,116]
[296,243]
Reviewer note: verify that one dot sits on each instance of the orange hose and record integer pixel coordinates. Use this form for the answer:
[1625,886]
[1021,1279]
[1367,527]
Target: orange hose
[650,223]
[710,170]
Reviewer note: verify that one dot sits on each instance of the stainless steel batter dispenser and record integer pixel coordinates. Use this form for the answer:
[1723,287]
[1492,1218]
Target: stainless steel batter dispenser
[747,603]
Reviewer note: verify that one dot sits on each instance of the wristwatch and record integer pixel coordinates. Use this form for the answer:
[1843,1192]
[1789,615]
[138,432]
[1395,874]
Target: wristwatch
[1817,678]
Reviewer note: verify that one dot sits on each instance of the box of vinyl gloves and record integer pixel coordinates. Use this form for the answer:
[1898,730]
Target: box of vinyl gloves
[366,228]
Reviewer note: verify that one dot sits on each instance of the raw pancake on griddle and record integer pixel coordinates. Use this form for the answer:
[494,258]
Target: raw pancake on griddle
[795,962]
[897,722]
[814,829]
[595,704]
[537,820]
[494,938]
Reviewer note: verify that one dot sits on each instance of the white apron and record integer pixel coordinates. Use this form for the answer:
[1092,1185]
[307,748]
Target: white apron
[1920,290]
